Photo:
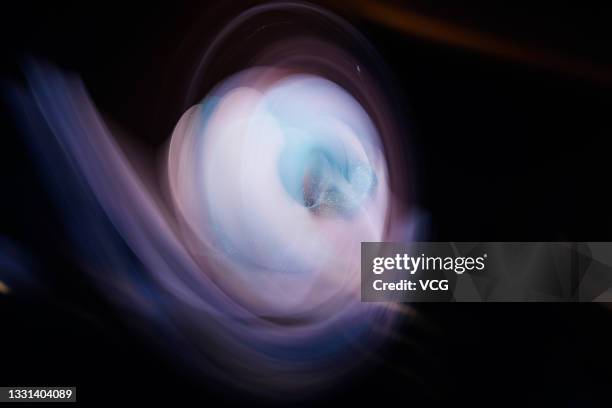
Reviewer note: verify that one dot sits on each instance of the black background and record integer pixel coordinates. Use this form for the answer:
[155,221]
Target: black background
[503,151]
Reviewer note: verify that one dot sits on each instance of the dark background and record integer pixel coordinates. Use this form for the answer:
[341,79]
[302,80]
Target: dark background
[503,150]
